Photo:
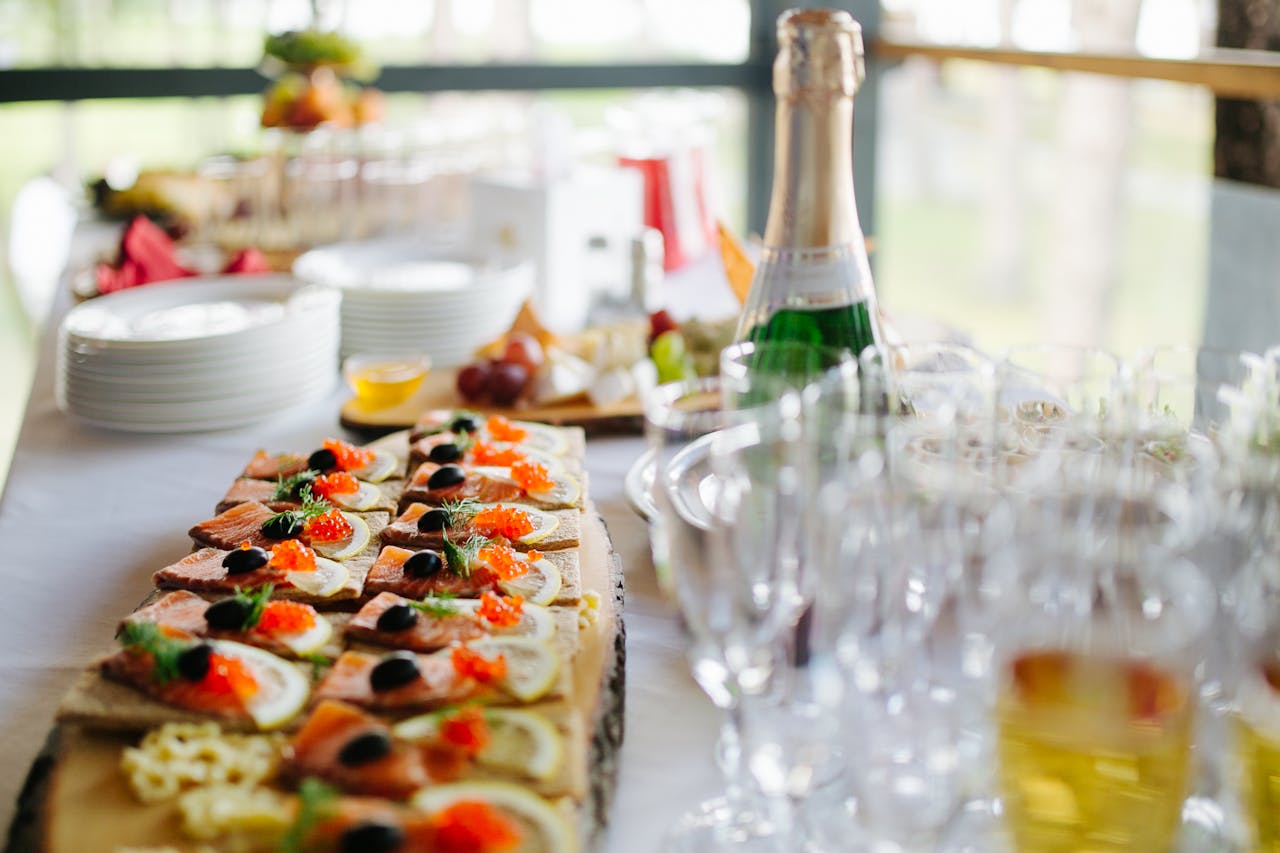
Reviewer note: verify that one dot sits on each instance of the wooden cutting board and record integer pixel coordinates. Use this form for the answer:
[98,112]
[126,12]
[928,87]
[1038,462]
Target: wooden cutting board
[76,799]
[438,392]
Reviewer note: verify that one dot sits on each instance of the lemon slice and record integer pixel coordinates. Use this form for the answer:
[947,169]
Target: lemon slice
[327,579]
[544,524]
[535,621]
[543,438]
[314,637]
[350,546]
[365,497]
[282,688]
[539,585]
[520,741]
[545,828]
[565,488]
[532,665]
[384,464]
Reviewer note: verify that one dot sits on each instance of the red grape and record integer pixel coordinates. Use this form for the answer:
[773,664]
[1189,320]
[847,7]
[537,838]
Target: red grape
[507,382]
[523,349]
[473,380]
[659,322]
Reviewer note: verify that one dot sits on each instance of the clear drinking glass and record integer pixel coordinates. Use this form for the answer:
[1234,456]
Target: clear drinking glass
[725,495]
[1095,711]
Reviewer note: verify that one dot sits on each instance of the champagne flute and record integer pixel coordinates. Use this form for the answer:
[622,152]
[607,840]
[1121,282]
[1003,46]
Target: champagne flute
[733,608]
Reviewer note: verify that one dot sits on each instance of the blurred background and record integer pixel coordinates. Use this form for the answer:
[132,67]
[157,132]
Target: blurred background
[1014,201]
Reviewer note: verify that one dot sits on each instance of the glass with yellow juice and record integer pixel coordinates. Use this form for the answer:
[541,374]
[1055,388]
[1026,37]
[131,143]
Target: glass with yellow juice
[382,381]
[1094,751]
[1257,740]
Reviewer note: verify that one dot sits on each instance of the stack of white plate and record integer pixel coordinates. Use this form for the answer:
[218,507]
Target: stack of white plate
[406,296]
[198,354]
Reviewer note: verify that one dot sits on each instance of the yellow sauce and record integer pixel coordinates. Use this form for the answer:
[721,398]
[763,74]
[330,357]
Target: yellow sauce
[387,383]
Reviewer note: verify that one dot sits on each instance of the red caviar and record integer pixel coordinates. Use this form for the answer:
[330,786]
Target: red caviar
[330,527]
[501,611]
[286,617]
[501,429]
[504,562]
[500,520]
[292,556]
[337,483]
[532,476]
[229,676]
[466,729]
[350,457]
[474,826]
[491,454]
[469,663]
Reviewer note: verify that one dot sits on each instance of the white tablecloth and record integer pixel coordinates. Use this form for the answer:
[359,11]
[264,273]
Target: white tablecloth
[87,515]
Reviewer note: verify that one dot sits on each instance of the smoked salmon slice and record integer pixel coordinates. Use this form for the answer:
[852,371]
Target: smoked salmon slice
[403,531]
[431,629]
[272,466]
[388,575]
[245,490]
[353,751]
[185,612]
[238,524]
[476,485]
[203,571]
[435,684]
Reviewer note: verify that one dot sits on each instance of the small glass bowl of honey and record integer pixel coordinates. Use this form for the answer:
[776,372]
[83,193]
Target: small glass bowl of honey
[382,381]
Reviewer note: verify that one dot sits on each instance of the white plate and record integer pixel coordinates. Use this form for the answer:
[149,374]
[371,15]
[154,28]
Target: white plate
[192,312]
[187,414]
[400,265]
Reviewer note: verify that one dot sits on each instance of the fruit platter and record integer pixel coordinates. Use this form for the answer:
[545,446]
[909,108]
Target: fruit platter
[411,645]
[595,378]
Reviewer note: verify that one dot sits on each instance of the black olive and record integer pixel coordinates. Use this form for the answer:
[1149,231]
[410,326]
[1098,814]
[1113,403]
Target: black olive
[283,525]
[371,836]
[445,476]
[395,670]
[464,423]
[193,664]
[300,482]
[397,617]
[423,564]
[365,748]
[229,614]
[434,519]
[442,453]
[322,460]
[243,560]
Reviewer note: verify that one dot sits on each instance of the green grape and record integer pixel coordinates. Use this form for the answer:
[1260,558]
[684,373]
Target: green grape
[671,357]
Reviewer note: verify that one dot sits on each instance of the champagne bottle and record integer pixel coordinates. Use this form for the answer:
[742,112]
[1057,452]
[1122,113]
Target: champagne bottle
[813,283]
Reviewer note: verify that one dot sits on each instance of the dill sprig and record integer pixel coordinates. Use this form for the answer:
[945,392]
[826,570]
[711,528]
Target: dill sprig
[257,600]
[164,650]
[461,511]
[318,663]
[459,557]
[311,507]
[436,606]
[289,488]
[315,803]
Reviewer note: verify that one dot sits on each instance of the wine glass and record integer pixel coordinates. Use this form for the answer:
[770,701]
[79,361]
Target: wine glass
[726,542]
[1096,689]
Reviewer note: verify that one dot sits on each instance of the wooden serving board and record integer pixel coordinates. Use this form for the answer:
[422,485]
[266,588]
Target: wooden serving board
[76,799]
[438,392]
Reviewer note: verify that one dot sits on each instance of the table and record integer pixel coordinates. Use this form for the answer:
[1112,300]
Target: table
[88,514]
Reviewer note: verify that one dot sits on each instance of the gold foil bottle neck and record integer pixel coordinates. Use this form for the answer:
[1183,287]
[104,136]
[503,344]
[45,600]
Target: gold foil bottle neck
[819,53]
